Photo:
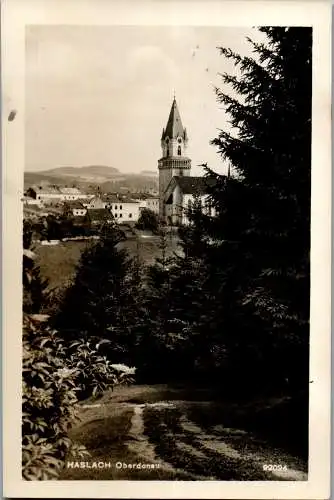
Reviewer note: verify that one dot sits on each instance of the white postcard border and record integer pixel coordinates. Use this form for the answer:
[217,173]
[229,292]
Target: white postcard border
[16,14]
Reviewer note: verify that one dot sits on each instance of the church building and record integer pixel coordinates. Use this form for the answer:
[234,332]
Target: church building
[177,188]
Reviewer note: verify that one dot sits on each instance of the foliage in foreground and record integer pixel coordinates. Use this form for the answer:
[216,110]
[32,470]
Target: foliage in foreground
[54,380]
[56,376]
[49,403]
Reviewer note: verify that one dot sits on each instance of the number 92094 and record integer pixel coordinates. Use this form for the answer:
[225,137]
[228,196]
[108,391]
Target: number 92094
[273,467]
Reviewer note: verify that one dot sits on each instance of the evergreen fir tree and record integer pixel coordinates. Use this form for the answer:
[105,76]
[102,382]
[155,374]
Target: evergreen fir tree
[178,302]
[100,302]
[194,235]
[260,260]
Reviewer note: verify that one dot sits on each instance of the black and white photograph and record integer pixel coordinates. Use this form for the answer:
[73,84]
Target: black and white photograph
[166,252]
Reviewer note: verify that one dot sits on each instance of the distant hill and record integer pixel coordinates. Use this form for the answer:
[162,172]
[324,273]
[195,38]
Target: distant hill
[91,170]
[31,178]
[149,172]
[108,178]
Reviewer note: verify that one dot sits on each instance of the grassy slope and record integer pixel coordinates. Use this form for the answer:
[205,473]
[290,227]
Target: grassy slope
[57,263]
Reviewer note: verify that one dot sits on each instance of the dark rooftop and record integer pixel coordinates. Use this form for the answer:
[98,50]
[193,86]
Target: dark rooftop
[99,214]
[74,204]
[195,185]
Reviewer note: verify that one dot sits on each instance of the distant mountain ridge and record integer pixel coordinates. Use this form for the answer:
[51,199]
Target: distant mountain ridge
[108,178]
[99,170]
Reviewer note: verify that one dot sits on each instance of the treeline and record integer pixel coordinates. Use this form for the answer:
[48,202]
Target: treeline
[54,227]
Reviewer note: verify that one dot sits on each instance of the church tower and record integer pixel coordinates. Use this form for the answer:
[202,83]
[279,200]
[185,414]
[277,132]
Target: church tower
[174,162]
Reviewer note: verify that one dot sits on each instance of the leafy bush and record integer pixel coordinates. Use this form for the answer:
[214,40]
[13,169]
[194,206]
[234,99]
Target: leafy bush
[49,401]
[53,380]
[96,374]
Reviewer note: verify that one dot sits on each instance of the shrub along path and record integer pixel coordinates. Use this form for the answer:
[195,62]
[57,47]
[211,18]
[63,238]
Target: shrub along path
[184,434]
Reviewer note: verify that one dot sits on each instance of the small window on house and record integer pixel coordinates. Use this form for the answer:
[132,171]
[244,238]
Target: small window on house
[120,207]
[179,150]
[115,215]
[120,216]
[115,207]
[130,216]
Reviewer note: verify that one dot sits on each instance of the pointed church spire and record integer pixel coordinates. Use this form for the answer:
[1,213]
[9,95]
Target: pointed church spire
[174,127]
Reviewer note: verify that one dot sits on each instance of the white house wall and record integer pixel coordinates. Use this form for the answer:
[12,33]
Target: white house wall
[150,204]
[79,211]
[125,212]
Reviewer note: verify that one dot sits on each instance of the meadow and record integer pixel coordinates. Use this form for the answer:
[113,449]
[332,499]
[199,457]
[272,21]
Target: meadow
[58,263]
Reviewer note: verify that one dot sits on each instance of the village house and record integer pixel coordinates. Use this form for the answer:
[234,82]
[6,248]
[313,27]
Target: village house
[74,208]
[152,203]
[96,203]
[123,209]
[84,201]
[69,193]
[28,200]
[149,202]
[51,194]
[45,194]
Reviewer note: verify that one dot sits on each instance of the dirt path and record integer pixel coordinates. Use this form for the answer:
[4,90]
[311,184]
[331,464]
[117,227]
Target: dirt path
[152,433]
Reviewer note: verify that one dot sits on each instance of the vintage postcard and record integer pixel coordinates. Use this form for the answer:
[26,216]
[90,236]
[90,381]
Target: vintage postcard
[166,249]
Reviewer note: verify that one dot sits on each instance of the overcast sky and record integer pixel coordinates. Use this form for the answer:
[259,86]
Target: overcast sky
[101,95]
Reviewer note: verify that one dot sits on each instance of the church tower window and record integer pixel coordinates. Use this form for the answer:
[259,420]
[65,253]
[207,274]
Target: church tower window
[179,150]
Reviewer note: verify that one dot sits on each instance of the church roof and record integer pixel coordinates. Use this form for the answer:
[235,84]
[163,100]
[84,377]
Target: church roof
[174,127]
[194,185]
